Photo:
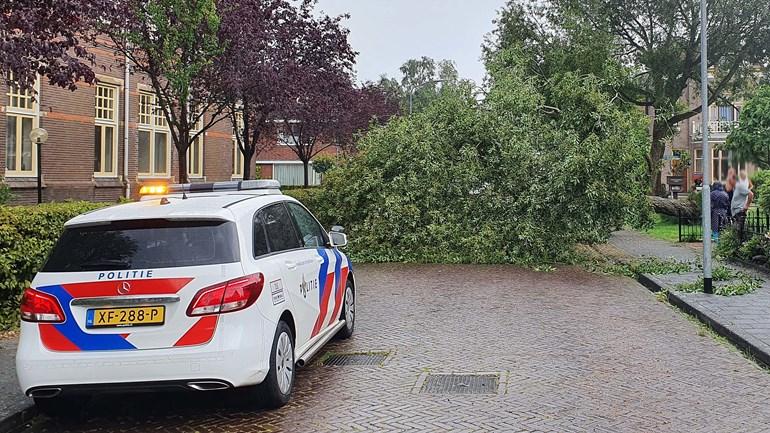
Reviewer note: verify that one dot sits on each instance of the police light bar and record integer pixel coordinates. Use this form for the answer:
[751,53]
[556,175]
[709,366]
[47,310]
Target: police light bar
[240,185]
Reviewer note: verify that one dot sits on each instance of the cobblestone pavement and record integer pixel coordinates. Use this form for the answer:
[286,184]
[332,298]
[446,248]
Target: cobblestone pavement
[641,245]
[11,398]
[576,352]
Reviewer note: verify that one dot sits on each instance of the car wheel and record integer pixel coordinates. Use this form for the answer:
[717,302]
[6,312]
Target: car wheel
[348,312]
[277,386]
[64,408]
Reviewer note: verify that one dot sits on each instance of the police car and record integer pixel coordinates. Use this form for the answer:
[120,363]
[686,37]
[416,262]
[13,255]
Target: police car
[197,286]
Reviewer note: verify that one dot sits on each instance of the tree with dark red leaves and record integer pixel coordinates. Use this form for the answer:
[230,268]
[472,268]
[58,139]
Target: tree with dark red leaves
[276,52]
[49,38]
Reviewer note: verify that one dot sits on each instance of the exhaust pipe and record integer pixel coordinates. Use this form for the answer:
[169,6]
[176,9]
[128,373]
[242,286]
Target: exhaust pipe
[44,392]
[208,385]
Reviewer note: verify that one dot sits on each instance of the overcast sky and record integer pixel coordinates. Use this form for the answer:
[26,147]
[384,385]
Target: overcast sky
[388,32]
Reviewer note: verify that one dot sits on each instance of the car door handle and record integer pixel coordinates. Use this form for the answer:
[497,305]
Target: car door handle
[291,265]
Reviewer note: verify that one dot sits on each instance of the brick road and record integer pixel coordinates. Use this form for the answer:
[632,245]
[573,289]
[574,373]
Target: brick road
[578,352]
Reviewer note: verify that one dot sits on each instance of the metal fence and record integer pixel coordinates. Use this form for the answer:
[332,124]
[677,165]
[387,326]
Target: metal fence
[756,223]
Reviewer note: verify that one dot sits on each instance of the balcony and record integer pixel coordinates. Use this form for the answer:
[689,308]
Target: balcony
[718,129]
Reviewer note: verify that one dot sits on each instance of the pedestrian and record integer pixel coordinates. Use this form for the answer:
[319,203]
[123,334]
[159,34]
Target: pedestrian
[742,197]
[720,207]
[730,183]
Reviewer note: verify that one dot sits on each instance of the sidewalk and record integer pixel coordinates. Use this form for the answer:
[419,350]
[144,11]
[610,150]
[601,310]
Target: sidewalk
[744,320]
[14,406]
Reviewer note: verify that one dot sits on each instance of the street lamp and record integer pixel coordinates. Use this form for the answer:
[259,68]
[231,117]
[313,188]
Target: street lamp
[706,191]
[419,86]
[39,136]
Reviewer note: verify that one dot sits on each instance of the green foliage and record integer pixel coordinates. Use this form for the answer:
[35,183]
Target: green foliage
[738,283]
[761,181]
[756,246]
[5,192]
[750,141]
[313,198]
[323,163]
[521,177]
[27,234]
[729,243]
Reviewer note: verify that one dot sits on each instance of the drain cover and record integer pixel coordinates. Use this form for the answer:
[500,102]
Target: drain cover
[461,384]
[370,358]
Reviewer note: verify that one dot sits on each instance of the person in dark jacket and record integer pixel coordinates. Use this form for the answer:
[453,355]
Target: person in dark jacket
[720,208]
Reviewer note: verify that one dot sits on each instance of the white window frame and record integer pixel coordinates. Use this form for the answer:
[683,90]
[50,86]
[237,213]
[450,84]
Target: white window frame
[106,122]
[32,111]
[152,120]
[237,160]
[285,138]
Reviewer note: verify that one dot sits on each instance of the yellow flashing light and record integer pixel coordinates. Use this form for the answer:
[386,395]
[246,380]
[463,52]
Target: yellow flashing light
[153,190]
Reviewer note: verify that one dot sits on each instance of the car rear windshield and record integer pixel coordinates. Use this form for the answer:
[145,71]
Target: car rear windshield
[142,244]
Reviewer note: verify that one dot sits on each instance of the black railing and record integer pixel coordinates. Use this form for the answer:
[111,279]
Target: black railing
[756,223]
[690,228]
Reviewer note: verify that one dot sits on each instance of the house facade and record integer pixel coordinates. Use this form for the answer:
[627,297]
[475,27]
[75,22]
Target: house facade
[723,118]
[107,140]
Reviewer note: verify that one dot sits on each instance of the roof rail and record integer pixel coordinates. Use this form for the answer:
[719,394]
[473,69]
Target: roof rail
[236,185]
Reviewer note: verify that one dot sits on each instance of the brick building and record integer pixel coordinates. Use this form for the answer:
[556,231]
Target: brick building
[107,140]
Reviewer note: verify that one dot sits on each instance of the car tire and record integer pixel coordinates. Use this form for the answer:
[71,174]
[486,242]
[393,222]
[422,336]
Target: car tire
[276,389]
[63,408]
[348,312]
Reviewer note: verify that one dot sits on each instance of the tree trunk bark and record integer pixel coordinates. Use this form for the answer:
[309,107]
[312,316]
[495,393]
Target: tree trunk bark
[248,155]
[655,159]
[182,158]
[305,165]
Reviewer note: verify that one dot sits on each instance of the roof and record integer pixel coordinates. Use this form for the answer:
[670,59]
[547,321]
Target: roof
[195,206]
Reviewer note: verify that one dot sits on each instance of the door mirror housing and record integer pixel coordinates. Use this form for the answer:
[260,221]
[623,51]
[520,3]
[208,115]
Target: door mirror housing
[338,239]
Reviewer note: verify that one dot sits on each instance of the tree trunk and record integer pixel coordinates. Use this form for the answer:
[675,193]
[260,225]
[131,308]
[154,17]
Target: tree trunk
[655,158]
[248,155]
[306,164]
[673,207]
[182,157]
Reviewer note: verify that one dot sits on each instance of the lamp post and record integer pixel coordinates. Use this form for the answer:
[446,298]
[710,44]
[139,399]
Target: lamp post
[39,136]
[706,190]
[415,88]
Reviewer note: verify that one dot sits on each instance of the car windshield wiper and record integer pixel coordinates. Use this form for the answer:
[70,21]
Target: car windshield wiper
[98,265]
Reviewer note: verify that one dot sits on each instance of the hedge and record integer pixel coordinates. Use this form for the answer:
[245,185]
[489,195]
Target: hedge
[27,234]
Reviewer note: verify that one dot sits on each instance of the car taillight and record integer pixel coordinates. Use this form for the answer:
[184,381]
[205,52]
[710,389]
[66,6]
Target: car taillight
[37,306]
[227,297]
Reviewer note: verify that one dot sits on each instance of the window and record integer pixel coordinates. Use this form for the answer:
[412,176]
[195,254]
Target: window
[293,174]
[260,236]
[153,149]
[237,160]
[310,231]
[195,157]
[720,163]
[142,244]
[279,228]
[106,129]
[21,119]
[287,137]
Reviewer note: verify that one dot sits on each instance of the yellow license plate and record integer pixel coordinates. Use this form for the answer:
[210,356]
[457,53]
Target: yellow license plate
[125,317]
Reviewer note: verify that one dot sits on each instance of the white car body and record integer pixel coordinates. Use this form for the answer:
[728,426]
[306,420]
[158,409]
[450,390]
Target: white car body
[302,286]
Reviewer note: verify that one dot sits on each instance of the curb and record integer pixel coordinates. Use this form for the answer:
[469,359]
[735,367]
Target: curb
[17,420]
[741,343]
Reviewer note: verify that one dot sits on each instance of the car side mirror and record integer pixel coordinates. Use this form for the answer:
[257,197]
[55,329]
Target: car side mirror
[338,239]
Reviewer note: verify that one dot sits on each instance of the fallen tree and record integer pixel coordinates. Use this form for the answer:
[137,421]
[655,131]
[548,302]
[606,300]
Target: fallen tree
[674,207]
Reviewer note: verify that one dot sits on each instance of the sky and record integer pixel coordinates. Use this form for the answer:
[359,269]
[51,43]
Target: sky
[386,33]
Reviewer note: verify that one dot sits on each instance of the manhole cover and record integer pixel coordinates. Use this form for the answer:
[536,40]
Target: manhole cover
[371,358]
[461,384]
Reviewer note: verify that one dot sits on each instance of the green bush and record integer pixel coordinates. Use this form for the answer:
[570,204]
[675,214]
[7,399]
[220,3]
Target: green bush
[5,192]
[512,179]
[729,243]
[761,181]
[27,234]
